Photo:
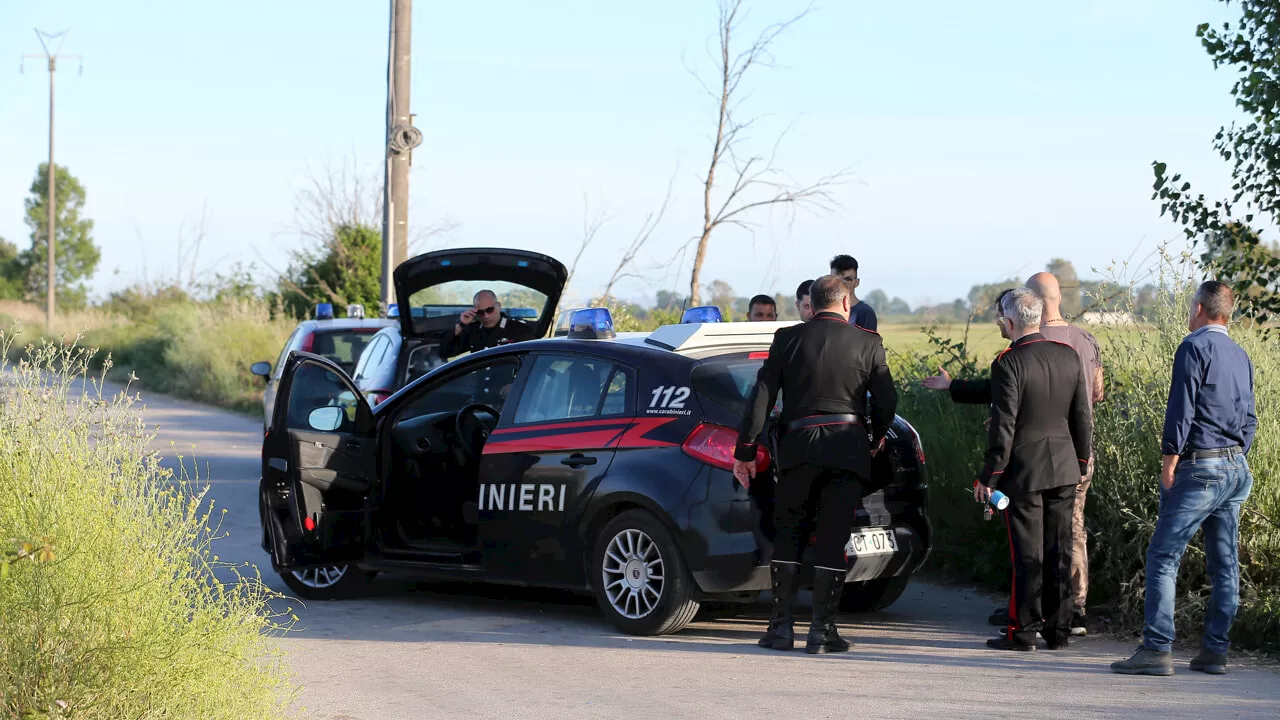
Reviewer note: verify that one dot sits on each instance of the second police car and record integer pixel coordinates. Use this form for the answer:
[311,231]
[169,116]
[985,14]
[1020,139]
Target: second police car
[592,461]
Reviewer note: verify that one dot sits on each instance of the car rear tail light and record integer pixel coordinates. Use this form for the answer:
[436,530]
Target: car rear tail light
[714,445]
[758,356]
[915,442]
[307,341]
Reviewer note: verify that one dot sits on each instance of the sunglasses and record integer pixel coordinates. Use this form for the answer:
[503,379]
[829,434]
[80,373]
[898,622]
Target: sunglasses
[486,311]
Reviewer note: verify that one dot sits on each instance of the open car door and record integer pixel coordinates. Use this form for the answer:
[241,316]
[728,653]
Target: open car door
[318,466]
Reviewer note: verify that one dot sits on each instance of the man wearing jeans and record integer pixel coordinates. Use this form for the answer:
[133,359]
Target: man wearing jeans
[1208,429]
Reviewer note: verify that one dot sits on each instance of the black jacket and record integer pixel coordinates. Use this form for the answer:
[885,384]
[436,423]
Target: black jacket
[1041,428]
[823,367]
[971,391]
[475,337]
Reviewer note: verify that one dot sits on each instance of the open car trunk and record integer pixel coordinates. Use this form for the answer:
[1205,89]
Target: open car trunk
[433,289]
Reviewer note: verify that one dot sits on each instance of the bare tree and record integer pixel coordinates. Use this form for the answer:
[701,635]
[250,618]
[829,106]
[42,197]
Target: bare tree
[591,225]
[755,181]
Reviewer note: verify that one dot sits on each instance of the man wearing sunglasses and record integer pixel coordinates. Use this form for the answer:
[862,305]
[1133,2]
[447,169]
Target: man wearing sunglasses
[483,326]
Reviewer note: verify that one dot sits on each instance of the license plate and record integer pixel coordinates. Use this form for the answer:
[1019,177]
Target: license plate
[879,541]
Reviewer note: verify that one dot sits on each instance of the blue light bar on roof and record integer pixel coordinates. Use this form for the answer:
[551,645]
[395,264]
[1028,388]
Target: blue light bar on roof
[324,311]
[591,324]
[393,310]
[522,263]
[702,314]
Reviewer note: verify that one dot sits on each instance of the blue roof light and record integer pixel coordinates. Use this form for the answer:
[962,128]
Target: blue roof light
[324,311]
[591,324]
[702,314]
[393,310]
[522,263]
[446,263]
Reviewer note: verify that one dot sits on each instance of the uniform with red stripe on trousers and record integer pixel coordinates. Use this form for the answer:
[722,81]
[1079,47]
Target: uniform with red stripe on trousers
[826,368]
[1038,447]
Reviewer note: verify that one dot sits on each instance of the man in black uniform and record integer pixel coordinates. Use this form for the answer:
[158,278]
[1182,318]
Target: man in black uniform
[492,329]
[825,368]
[1038,448]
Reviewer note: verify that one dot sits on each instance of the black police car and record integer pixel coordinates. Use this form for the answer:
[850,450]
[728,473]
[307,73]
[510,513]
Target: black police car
[592,461]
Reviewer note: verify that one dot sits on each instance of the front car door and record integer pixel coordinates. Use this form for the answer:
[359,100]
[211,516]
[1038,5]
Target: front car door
[543,461]
[318,466]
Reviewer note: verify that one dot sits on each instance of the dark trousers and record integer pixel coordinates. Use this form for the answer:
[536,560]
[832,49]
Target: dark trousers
[1040,540]
[810,497]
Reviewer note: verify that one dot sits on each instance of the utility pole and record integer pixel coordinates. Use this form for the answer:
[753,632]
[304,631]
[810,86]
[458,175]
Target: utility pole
[50,203]
[402,137]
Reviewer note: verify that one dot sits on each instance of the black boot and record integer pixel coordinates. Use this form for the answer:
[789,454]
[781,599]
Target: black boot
[823,638]
[781,635]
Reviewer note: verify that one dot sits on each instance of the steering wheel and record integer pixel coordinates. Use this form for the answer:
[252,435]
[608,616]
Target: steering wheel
[469,427]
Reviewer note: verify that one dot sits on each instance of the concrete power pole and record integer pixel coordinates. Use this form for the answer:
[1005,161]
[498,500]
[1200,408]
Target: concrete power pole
[402,137]
[51,205]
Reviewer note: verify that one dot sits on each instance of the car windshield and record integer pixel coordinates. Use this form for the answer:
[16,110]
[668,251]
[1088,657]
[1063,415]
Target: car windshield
[342,346]
[451,299]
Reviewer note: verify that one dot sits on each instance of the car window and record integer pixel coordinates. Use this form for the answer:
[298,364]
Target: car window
[342,346]
[615,396]
[562,388]
[371,357]
[314,387]
[487,384]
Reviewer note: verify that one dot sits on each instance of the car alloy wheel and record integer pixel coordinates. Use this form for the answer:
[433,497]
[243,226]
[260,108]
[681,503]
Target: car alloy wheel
[321,578]
[633,574]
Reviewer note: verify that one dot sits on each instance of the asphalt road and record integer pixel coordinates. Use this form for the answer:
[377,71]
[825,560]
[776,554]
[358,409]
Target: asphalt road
[431,651]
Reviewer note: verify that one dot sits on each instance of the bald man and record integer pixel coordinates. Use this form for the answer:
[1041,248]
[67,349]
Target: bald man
[483,326]
[1054,327]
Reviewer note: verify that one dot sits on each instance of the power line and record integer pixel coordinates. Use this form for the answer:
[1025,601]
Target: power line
[52,57]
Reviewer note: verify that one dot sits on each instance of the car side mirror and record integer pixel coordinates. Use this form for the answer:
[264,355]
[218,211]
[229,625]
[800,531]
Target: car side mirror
[326,419]
[261,369]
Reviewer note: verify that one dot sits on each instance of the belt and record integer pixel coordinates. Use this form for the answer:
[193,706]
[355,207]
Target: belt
[1214,453]
[819,420]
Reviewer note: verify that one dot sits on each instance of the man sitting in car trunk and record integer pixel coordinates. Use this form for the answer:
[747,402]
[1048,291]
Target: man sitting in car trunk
[483,326]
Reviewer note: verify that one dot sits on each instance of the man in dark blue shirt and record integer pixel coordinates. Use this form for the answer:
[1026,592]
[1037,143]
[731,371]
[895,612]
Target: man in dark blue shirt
[1208,429]
[861,314]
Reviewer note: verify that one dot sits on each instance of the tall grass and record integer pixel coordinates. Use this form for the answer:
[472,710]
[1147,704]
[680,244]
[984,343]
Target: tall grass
[1124,499]
[129,614]
[199,350]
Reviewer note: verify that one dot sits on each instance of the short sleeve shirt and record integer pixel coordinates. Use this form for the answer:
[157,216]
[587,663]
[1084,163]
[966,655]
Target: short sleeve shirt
[863,316]
[1085,345]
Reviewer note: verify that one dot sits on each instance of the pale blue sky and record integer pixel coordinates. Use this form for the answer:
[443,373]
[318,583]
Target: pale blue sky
[985,137]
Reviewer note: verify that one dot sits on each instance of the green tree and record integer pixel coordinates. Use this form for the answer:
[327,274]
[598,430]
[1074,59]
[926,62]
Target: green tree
[76,257]
[878,300]
[347,269]
[1225,228]
[11,272]
[897,306]
[1069,281]
[982,297]
[722,296]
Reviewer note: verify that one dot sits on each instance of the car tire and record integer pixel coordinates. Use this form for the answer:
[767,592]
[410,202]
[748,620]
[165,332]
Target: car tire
[640,578]
[873,595]
[327,583]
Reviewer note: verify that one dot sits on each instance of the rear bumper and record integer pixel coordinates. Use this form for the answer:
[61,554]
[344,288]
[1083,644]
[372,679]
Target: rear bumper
[748,569]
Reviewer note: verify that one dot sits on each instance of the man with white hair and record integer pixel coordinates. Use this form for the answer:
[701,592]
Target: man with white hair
[1038,448]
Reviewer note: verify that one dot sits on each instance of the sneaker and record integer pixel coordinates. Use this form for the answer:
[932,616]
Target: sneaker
[1000,617]
[1145,662]
[1210,662]
[1078,628]
[1004,643]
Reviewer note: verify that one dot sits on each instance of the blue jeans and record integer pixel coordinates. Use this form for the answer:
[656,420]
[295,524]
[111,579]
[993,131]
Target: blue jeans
[1206,493]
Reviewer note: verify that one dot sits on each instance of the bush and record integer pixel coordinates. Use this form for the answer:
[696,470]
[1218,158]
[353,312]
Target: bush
[114,606]
[1124,499]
